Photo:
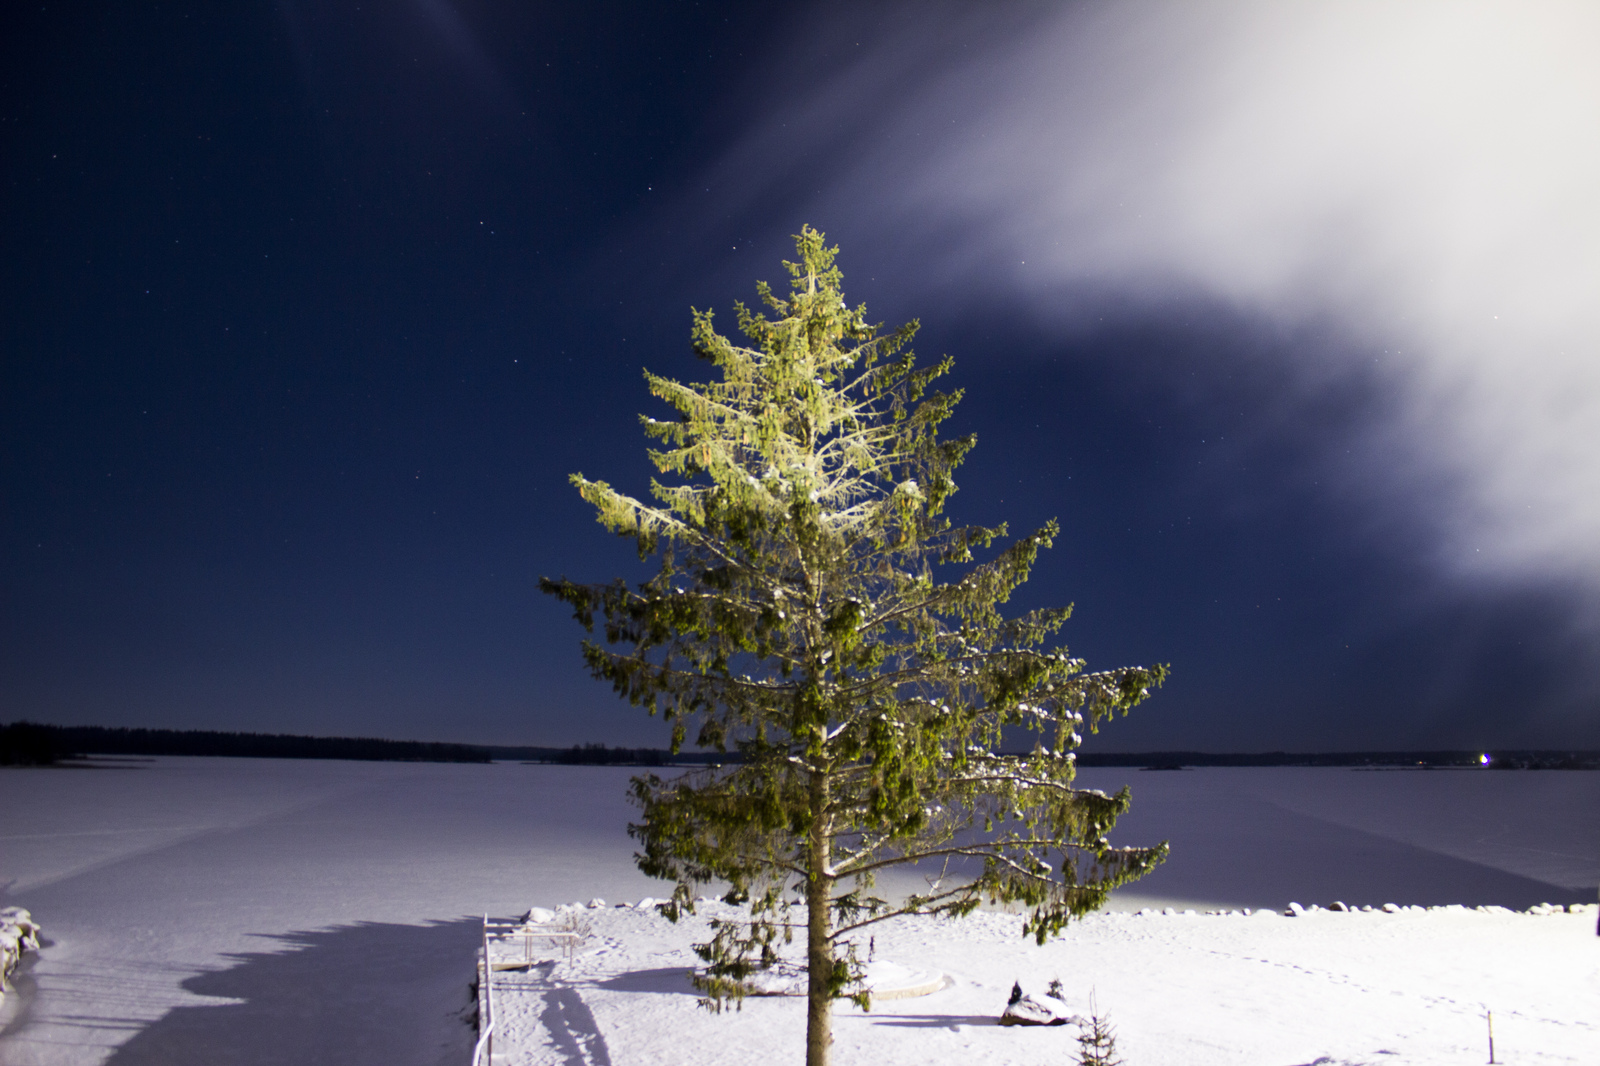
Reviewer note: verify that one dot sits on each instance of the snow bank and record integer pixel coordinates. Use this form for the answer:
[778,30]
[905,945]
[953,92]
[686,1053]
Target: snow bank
[1347,987]
[19,933]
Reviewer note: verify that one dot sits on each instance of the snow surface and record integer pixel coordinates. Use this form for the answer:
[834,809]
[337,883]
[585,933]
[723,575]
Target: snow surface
[1180,989]
[243,911]
[204,911]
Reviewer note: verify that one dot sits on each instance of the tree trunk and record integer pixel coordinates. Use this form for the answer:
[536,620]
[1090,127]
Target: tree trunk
[819,952]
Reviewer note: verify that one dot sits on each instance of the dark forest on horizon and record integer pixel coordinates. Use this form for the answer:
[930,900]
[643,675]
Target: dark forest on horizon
[28,743]
[33,744]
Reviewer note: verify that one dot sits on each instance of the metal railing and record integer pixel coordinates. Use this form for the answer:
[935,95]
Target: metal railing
[483,1051]
[528,932]
[508,933]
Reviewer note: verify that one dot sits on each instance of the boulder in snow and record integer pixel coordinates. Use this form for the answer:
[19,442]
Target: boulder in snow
[19,934]
[1022,1009]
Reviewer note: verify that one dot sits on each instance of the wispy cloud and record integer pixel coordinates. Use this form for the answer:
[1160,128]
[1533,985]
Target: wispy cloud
[1422,176]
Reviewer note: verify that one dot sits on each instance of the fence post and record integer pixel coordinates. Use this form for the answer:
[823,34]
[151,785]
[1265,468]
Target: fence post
[486,1041]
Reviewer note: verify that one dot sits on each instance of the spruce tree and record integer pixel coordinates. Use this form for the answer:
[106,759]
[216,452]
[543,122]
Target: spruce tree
[816,612]
[1097,1039]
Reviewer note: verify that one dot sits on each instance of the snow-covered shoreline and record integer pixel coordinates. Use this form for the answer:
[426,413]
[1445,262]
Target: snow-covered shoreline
[195,904]
[1338,988]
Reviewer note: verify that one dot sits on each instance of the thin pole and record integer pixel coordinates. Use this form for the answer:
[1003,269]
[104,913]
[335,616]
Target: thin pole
[477,1052]
[1489,1014]
[488,994]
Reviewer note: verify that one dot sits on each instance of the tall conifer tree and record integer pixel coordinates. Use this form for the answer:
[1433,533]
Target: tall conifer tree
[815,611]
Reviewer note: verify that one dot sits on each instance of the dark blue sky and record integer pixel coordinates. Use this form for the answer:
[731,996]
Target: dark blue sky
[308,309]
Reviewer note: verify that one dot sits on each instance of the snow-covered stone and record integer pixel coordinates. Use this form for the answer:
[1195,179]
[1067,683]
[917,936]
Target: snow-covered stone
[19,934]
[1023,1009]
[538,916]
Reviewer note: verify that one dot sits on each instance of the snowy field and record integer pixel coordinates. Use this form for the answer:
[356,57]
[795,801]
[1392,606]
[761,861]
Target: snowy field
[207,911]
[1338,989]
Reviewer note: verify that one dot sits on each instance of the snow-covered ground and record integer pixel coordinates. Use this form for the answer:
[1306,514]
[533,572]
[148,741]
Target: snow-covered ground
[1400,989]
[243,911]
[202,911]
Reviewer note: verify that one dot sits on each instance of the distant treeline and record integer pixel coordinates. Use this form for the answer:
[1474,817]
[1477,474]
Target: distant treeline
[601,755]
[1498,760]
[31,744]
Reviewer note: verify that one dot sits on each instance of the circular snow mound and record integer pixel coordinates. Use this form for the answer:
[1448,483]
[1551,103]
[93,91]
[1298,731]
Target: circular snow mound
[889,980]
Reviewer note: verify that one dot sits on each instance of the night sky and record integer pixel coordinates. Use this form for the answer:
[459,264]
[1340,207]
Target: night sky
[1288,312]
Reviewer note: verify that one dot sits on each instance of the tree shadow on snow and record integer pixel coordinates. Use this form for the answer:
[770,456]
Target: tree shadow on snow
[934,1021]
[572,1028]
[370,994]
[671,980]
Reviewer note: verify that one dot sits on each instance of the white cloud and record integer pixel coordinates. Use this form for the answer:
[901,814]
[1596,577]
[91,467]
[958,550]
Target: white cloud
[1425,175]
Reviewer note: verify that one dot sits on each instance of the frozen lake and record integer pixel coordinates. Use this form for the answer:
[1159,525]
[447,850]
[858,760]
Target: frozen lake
[204,911]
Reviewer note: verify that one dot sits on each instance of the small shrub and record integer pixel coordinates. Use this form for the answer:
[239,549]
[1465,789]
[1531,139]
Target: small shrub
[1097,1040]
